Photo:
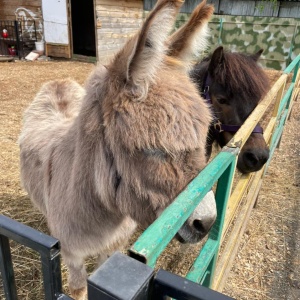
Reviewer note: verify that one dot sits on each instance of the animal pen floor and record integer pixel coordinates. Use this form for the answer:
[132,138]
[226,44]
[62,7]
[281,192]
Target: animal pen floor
[268,262]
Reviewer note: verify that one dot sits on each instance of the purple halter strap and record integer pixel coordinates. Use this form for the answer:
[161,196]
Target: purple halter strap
[217,125]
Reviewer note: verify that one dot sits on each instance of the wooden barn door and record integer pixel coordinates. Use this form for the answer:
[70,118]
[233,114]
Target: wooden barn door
[56,28]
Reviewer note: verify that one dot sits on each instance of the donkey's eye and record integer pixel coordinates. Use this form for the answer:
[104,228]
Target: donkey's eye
[222,100]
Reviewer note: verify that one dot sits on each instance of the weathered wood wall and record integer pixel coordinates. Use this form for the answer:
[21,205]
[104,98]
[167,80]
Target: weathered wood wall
[57,50]
[259,8]
[27,11]
[116,21]
[287,9]
[8,8]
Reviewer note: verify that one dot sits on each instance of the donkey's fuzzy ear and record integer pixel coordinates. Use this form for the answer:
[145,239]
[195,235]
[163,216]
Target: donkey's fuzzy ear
[191,38]
[257,55]
[138,62]
[216,61]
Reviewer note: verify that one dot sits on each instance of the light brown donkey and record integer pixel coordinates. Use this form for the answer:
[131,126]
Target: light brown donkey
[97,163]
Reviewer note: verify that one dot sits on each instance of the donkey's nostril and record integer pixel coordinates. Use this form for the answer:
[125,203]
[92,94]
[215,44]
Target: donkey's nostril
[198,225]
[251,158]
[252,161]
[265,156]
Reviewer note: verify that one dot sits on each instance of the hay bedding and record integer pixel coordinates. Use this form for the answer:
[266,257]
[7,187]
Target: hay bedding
[268,263]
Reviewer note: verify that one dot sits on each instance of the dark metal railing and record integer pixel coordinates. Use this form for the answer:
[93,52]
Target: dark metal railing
[120,277]
[112,279]
[171,285]
[16,38]
[48,248]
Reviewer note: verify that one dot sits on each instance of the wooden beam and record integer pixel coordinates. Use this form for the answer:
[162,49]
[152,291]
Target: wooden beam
[229,251]
[244,132]
[242,185]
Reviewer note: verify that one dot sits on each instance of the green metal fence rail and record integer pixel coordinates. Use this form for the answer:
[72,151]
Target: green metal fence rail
[221,169]
[150,245]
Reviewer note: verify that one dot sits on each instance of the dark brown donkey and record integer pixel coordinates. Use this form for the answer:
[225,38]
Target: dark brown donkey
[97,163]
[234,83]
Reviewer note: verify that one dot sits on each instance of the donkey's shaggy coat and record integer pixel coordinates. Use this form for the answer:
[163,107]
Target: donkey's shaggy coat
[98,164]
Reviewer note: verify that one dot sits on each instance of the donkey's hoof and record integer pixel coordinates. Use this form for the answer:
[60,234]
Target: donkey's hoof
[79,294]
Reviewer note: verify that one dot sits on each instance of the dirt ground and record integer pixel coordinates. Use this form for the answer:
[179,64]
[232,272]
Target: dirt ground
[268,262]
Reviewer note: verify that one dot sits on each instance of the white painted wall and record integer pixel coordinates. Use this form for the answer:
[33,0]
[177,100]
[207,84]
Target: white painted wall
[55,21]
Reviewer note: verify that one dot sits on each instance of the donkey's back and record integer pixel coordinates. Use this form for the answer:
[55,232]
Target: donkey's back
[46,121]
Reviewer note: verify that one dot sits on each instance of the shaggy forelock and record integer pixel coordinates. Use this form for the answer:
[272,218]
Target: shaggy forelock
[248,81]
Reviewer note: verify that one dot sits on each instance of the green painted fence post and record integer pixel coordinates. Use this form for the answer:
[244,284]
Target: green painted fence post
[156,237]
[220,32]
[208,262]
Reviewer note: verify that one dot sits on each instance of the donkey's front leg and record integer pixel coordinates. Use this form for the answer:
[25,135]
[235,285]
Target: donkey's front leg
[77,279]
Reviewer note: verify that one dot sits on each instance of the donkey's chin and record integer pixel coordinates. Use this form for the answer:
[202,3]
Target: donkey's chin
[200,222]
[187,235]
[246,170]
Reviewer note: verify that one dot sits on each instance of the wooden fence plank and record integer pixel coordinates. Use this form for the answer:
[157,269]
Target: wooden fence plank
[243,184]
[229,252]
[244,132]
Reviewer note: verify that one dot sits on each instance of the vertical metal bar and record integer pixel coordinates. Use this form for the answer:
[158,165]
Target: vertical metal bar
[296,89]
[120,277]
[206,261]
[292,65]
[51,274]
[200,268]
[2,48]
[47,246]
[6,268]
[168,284]
[207,278]
[16,24]
[296,71]
[220,32]
[222,195]
[35,30]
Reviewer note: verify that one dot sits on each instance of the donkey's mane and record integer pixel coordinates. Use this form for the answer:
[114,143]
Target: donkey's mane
[241,75]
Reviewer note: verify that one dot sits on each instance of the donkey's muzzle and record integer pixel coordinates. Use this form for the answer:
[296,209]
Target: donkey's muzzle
[252,160]
[200,222]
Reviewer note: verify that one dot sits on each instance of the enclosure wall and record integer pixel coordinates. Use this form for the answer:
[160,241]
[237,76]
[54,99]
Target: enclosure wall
[265,8]
[116,21]
[28,12]
[279,37]
[25,8]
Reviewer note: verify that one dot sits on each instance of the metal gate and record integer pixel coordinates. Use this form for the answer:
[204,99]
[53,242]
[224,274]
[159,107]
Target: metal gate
[120,277]
[17,38]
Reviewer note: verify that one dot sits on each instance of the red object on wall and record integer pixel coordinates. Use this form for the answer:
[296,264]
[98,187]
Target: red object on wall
[12,51]
[4,33]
